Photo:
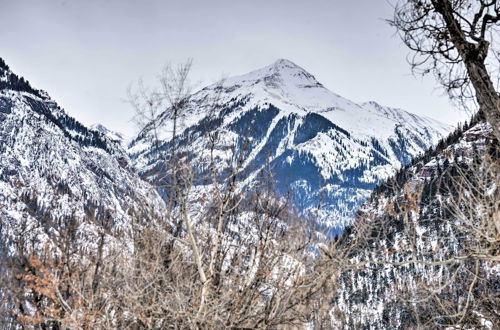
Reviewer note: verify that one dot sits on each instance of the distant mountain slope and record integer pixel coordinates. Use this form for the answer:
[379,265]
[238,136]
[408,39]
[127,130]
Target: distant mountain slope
[425,234]
[328,151]
[111,135]
[53,168]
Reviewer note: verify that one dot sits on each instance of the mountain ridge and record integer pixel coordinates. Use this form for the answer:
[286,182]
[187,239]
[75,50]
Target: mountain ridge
[52,167]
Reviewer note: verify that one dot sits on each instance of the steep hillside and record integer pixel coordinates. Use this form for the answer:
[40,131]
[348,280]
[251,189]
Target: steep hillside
[53,168]
[329,152]
[428,242]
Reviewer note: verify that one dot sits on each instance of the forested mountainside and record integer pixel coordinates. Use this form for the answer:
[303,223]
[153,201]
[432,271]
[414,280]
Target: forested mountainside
[327,152]
[86,244]
[429,240]
[236,256]
[52,168]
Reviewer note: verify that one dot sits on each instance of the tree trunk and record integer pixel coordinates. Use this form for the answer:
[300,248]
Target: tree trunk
[474,56]
[486,96]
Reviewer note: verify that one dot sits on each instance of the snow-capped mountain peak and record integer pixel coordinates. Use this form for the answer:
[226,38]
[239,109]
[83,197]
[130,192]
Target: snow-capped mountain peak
[112,135]
[321,145]
[281,74]
[295,91]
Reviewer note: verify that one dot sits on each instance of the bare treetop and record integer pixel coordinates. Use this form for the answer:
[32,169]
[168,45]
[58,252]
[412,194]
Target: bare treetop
[454,39]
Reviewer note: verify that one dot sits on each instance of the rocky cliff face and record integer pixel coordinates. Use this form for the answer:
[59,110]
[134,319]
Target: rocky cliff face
[53,168]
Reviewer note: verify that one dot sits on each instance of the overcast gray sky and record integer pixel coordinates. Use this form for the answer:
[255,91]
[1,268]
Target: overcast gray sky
[86,53]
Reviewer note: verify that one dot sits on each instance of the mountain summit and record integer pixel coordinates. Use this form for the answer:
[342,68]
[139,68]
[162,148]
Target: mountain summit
[294,90]
[326,150]
[279,75]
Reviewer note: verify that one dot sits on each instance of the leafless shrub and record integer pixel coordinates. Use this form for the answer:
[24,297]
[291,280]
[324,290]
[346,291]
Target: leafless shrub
[220,256]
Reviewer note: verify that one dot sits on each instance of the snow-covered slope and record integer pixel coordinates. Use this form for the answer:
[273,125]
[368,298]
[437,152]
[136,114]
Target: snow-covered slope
[325,149]
[53,168]
[414,232]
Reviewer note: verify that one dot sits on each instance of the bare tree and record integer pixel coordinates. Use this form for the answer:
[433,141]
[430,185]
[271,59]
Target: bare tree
[245,259]
[455,39]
